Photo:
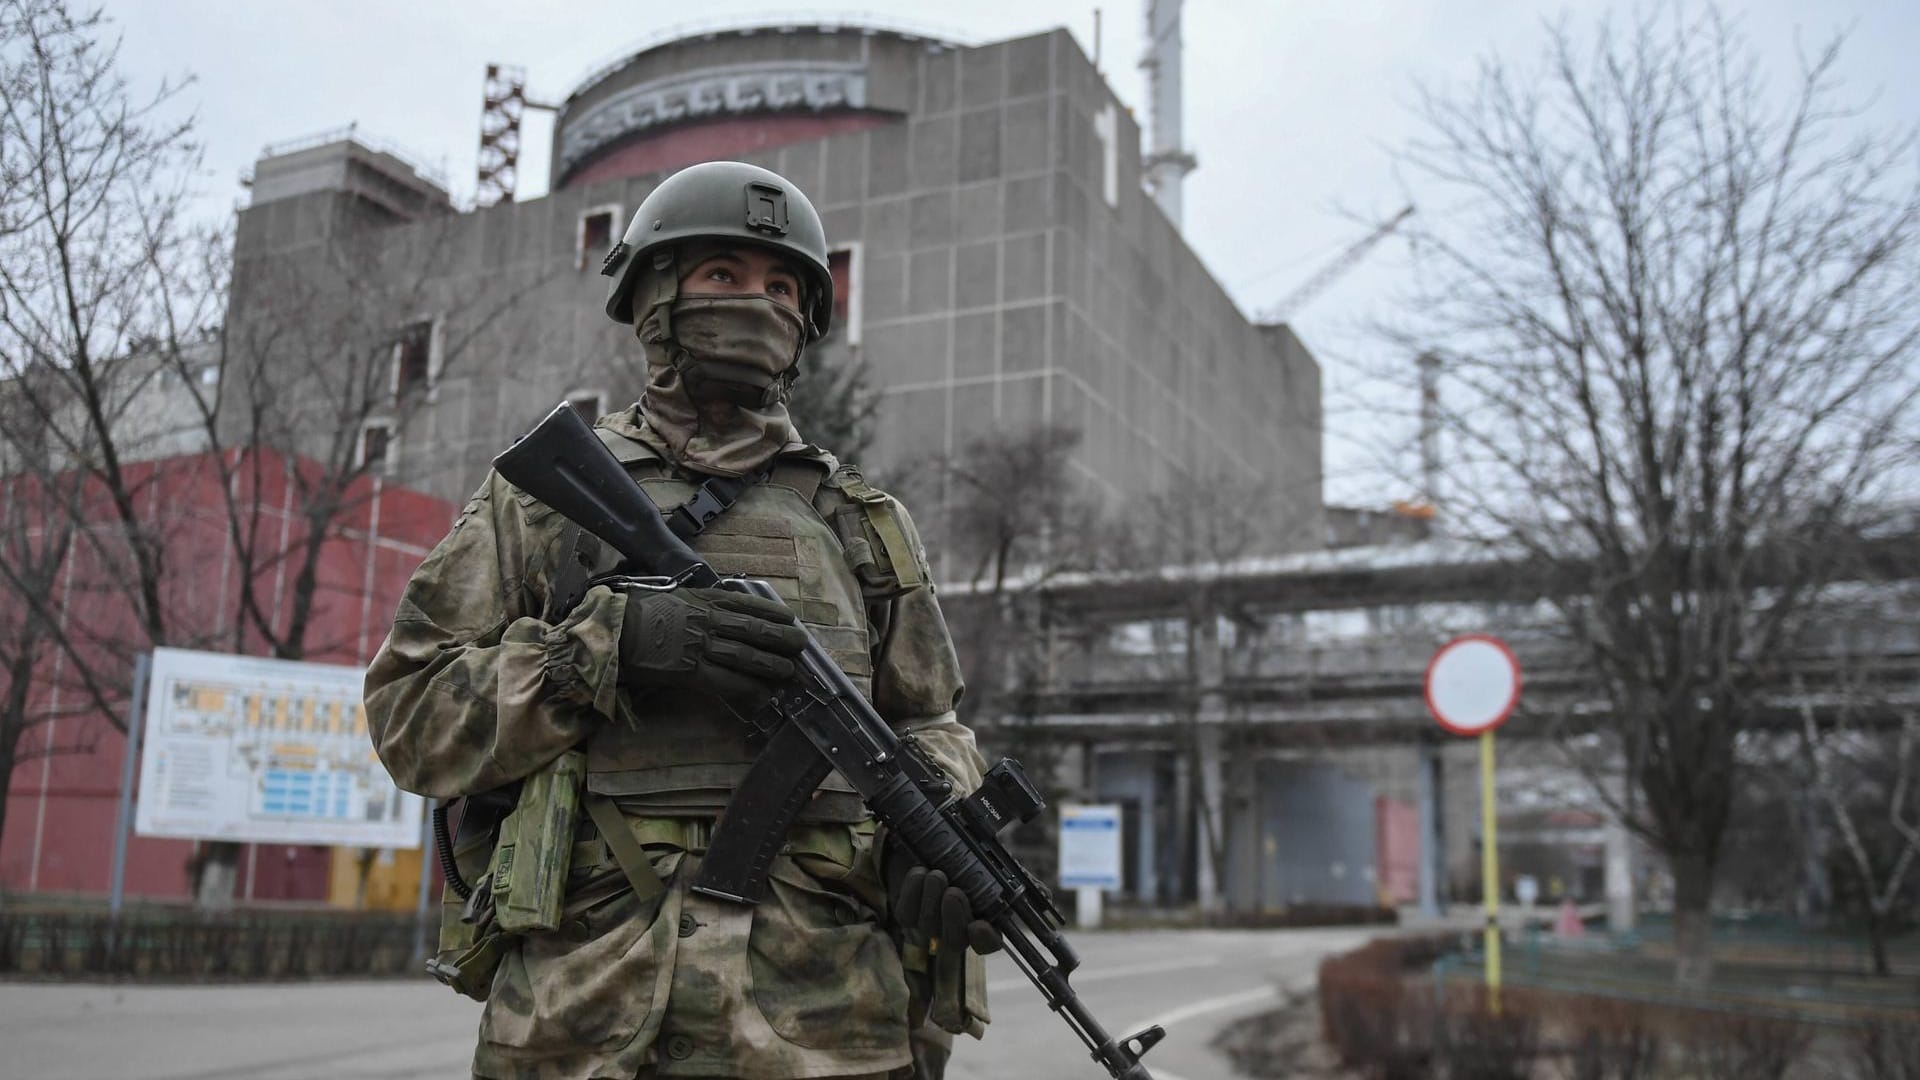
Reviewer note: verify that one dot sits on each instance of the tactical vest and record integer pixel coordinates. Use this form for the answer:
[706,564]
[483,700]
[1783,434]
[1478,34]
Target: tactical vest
[682,753]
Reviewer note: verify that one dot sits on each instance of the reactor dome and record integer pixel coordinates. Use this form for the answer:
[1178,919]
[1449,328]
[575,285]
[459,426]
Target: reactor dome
[726,93]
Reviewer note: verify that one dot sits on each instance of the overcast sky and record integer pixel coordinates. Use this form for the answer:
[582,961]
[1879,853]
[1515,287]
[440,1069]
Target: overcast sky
[1292,106]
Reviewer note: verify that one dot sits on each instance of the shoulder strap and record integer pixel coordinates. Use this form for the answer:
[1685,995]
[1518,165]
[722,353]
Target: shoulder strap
[626,448]
[801,474]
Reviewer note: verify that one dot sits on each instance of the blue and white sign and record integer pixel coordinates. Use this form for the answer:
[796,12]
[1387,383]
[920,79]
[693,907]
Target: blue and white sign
[1090,847]
[269,751]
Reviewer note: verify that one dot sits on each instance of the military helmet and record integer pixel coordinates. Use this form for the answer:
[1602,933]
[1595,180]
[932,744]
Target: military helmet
[725,200]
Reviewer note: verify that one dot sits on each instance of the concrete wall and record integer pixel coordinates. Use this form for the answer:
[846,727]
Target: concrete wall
[998,289]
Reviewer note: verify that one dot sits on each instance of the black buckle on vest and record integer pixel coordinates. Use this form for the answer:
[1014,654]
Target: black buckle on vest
[710,500]
[690,518]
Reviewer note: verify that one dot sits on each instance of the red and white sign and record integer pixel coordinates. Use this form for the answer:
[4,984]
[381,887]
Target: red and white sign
[1472,684]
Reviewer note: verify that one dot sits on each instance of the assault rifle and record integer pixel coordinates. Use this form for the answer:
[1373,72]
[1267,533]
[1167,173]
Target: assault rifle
[820,722]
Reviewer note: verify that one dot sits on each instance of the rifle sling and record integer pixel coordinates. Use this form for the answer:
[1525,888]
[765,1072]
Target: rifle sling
[627,852]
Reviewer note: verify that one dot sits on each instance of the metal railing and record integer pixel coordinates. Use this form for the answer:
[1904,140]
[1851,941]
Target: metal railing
[352,133]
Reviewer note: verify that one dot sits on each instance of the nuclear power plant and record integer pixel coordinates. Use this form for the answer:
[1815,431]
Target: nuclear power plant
[1007,256]
[1004,240]
[998,263]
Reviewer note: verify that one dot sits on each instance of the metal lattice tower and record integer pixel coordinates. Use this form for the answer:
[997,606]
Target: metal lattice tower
[504,103]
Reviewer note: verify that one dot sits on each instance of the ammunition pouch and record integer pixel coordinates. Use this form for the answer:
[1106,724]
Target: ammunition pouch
[874,536]
[517,875]
[470,941]
[530,863]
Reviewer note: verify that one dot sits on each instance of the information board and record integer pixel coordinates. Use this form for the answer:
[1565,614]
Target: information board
[270,751]
[1090,847]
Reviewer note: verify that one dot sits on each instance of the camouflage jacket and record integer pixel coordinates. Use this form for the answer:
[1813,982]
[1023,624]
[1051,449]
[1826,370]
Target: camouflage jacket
[473,690]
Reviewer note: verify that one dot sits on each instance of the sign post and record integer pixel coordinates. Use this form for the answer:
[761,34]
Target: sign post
[123,815]
[1089,857]
[1472,685]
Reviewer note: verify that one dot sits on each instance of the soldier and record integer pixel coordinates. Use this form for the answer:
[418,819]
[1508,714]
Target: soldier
[723,274]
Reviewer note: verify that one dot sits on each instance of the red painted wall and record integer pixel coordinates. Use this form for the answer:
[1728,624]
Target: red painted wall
[717,139]
[1397,849]
[61,807]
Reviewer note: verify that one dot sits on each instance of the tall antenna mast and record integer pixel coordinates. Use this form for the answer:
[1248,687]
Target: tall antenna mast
[1168,161]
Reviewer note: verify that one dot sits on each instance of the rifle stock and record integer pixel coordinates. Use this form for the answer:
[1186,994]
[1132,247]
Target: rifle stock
[820,721]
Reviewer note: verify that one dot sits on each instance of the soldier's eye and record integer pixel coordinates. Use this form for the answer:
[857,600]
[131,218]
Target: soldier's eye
[720,274]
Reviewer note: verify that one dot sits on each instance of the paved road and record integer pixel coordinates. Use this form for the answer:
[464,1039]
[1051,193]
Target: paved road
[1190,981]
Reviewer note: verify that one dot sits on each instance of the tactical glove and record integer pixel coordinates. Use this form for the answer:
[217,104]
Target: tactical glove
[924,903]
[937,919]
[728,644]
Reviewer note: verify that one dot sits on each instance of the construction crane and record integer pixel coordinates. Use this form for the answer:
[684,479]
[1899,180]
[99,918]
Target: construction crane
[1335,269]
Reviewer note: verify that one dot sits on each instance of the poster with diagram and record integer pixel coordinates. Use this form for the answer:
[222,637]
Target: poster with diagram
[269,751]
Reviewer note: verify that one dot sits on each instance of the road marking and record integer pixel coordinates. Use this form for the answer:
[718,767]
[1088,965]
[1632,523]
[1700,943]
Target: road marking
[1105,974]
[1207,1005]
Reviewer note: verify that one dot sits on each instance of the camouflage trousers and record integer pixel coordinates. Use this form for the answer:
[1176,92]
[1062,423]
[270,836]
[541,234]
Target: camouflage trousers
[649,1074]
[931,1049]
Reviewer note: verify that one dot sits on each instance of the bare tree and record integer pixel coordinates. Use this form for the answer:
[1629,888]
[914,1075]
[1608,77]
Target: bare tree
[92,182]
[1016,516]
[324,347]
[1863,757]
[143,351]
[1013,513]
[1675,311]
[1197,528]
[833,405]
[35,537]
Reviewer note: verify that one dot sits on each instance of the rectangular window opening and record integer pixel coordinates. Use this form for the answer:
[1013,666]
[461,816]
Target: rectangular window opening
[413,359]
[590,405]
[595,236]
[843,266]
[375,442]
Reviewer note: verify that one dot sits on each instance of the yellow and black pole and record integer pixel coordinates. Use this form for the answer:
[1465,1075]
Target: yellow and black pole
[1490,868]
[1472,686]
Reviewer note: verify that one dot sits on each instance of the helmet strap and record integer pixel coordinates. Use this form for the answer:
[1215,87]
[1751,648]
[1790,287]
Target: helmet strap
[653,296]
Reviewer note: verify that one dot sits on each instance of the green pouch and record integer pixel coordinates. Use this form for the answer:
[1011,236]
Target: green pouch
[470,942]
[530,864]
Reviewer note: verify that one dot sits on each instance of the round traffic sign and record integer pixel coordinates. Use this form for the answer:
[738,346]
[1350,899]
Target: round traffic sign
[1472,684]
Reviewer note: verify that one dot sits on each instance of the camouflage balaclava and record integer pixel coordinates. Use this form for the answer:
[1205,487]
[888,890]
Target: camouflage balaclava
[718,368]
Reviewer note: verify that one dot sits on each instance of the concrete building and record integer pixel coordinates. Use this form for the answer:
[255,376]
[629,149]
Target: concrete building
[999,265]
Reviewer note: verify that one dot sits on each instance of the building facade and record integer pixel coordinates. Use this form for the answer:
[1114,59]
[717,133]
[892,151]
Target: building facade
[998,263]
